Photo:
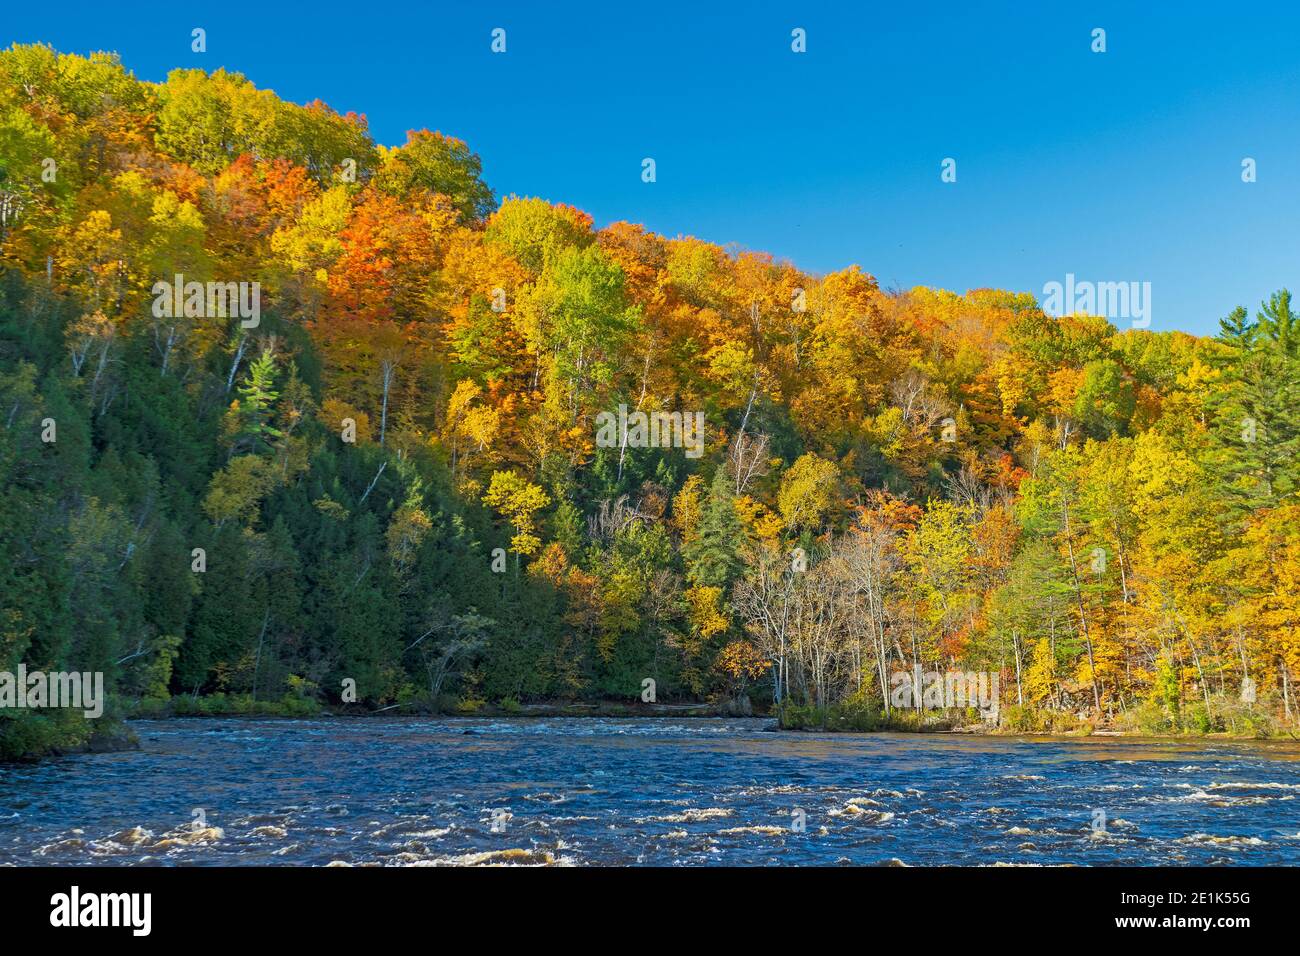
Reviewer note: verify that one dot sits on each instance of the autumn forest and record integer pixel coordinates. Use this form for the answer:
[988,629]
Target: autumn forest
[384,488]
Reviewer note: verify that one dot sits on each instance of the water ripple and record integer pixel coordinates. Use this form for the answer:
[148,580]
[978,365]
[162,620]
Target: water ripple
[579,791]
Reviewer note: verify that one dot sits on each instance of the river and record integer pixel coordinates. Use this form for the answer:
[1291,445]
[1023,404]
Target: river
[698,791]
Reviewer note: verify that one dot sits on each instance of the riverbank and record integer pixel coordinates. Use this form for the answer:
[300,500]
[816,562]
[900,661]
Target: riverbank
[1023,721]
[219,705]
[34,736]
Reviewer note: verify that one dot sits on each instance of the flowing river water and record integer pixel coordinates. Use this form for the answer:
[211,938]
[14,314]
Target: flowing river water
[697,791]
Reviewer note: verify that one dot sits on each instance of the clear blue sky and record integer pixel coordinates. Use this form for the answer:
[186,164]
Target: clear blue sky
[1117,166]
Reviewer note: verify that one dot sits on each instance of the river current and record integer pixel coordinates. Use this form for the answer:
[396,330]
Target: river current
[664,792]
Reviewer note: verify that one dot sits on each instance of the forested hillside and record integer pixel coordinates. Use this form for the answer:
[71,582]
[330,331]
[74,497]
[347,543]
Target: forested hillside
[393,477]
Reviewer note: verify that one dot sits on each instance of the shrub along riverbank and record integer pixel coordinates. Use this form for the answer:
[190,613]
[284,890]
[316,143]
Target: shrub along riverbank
[32,735]
[1148,720]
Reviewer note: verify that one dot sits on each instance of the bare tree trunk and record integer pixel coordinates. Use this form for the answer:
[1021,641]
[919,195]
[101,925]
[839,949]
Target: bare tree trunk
[744,422]
[165,347]
[1083,615]
[373,482]
[234,366]
[1205,684]
[1286,689]
[266,619]
[103,363]
[389,369]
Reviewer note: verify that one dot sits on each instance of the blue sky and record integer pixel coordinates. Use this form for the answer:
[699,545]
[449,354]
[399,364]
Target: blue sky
[1122,166]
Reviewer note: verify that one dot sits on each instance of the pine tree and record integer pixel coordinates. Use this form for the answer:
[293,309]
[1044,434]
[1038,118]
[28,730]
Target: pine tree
[712,558]
[258,403]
